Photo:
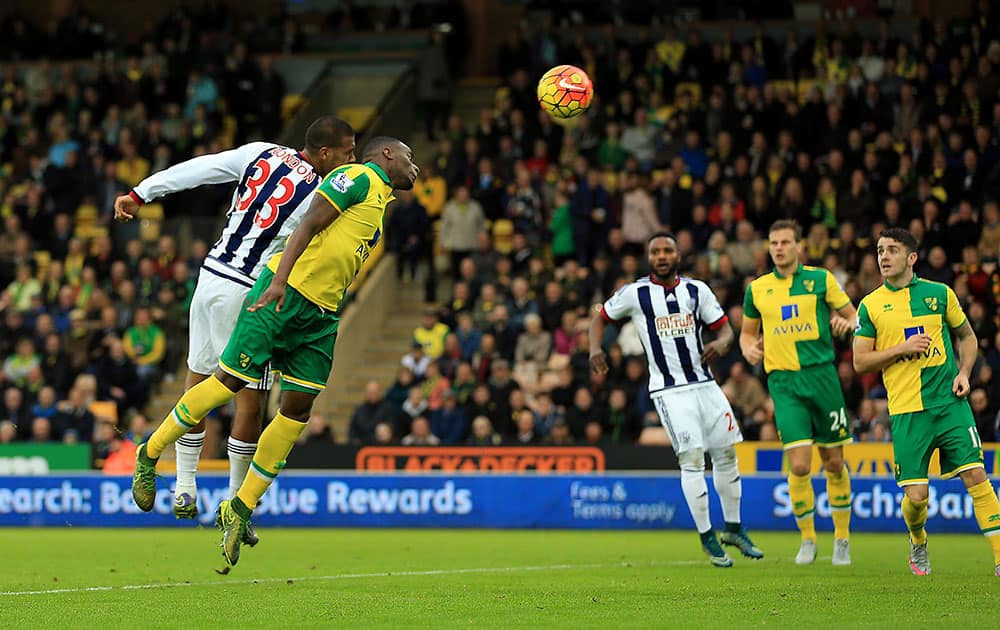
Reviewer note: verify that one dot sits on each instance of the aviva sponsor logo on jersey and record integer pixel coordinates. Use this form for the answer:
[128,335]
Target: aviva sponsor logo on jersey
[933,352]
[676,325]
[790,312]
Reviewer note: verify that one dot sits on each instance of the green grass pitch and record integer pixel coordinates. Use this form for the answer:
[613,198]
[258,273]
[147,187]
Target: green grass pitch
[334,578]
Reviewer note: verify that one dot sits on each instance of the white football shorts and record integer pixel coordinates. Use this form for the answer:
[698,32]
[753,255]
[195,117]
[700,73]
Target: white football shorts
[697,417]
[215,307]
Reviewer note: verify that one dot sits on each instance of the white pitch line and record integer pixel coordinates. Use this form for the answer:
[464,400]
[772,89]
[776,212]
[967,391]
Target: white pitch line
[350,576]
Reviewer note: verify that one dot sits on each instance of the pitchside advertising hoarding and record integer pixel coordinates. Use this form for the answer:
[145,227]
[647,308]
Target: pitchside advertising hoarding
[559,501]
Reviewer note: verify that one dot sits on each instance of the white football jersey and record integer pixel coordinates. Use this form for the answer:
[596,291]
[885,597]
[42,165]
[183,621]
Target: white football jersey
[669,321]
[276,186]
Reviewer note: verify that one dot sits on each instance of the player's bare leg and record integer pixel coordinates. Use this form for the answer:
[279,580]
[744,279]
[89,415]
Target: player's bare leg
[188,448]
[915,515]
[986,507]
[800,491]
[838,490]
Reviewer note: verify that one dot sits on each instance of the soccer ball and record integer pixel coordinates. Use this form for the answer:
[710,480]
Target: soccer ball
[565,92]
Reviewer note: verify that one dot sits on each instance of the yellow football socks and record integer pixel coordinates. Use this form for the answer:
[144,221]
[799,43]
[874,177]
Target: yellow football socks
[194,405]
[987,508]
[915,516]
[838,489]
[274,446]
[800,491]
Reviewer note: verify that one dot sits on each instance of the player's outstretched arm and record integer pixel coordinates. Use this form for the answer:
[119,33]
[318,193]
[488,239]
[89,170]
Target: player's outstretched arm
[125,207]
[595,334]
[318,217]
[868,359]
[751,343]
[215,168]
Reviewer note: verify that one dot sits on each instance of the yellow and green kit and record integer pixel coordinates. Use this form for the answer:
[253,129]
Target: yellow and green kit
[925,412]
[794,312]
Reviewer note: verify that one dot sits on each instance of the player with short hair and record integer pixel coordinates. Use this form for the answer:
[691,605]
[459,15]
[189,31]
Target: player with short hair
[792,307]
[276,186]
[904,329]
[292,324]
[670,313]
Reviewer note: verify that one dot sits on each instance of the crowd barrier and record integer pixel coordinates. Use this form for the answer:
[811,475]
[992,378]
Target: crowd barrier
[570,501]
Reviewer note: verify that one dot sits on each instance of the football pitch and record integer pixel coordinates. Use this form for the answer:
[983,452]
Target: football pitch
[393,578]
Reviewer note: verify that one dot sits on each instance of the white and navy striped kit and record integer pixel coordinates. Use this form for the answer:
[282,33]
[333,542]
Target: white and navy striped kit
[670,321]
[276,185]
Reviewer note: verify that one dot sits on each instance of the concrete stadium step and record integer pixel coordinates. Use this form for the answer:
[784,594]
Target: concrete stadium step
[472,96]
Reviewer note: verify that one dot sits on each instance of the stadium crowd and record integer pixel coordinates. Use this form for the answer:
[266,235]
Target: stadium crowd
[93,313]
[93,310]
[539,222]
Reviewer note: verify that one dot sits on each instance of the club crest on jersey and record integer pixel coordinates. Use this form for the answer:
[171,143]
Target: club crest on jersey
[931,302]
[809,285]
[676,325]
[341,182]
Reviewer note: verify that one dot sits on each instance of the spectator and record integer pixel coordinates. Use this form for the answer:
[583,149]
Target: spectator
[431,334]
[416,361]
[414,405]
[407,232]
[400,388]
[8,432]
[385,435]
[503,334]
[18,366]
[594,434]
[639,217]
[468,335]
[317,431]
[118,379]
[22,290]
[145,344]
[559,435]
[41,431]
[449,421]
[567,336]
[483,434]
[420,434]
[461,221]
[525,433]
[361,431]
[534,344]
[74,416]
[623,421]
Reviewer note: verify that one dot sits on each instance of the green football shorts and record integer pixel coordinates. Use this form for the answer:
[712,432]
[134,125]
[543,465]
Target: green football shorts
[951,429]
[809,407]
[298,341]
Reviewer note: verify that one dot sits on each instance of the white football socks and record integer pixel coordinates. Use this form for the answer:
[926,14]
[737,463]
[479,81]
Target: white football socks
[695,489]
[726,477]
[240,456]
[188,448]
